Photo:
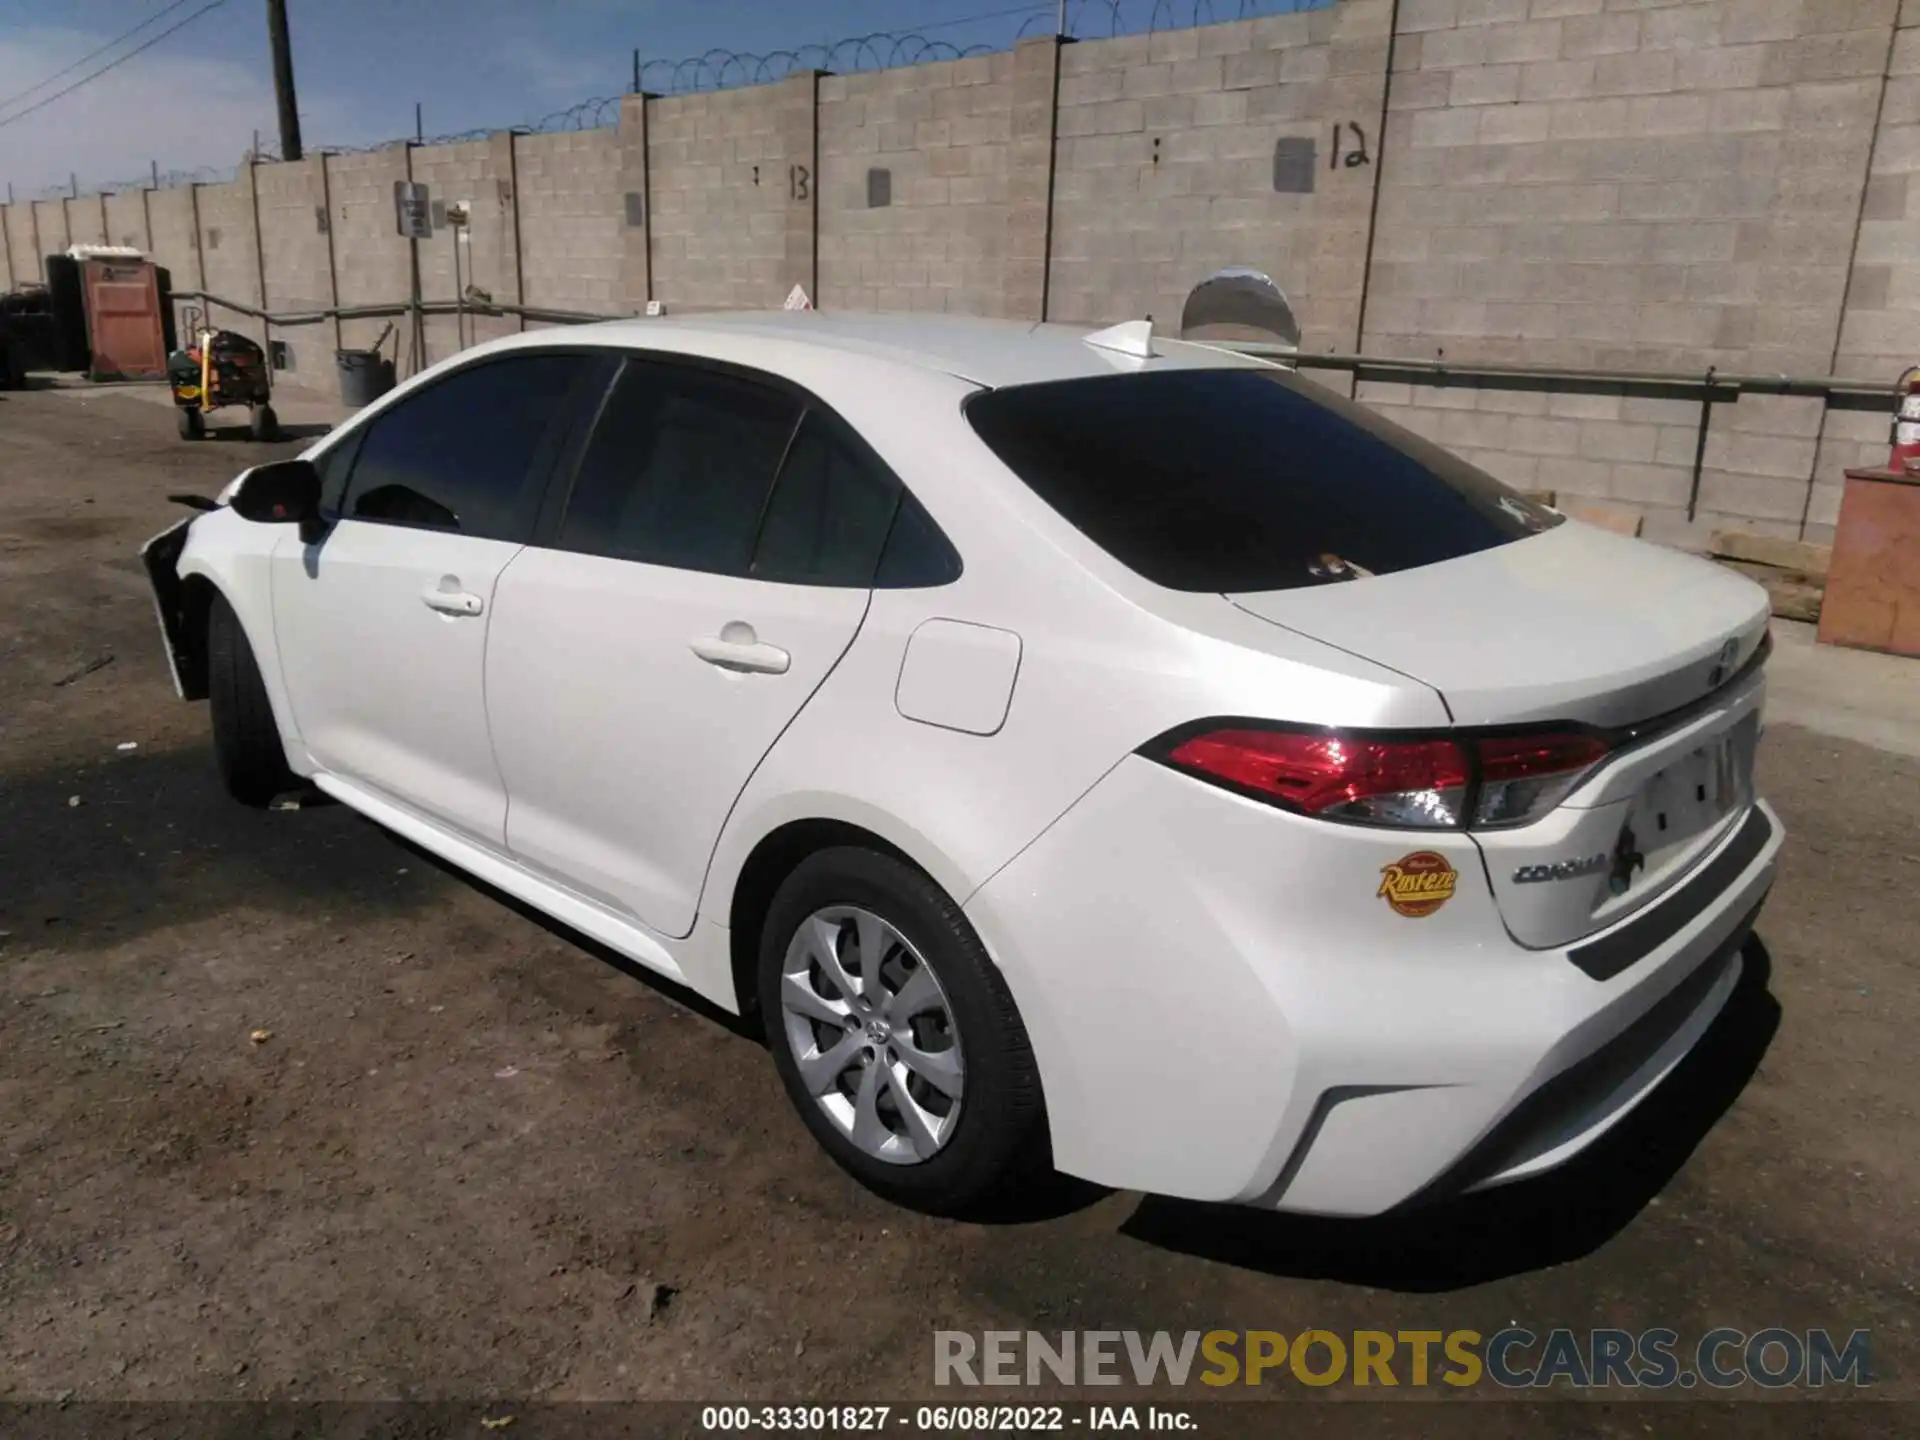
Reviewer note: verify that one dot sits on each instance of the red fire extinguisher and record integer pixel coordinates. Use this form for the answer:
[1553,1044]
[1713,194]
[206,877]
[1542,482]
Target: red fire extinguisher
[1905,458]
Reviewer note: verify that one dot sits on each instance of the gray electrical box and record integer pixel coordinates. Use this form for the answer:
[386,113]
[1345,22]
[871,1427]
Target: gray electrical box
[1294,165]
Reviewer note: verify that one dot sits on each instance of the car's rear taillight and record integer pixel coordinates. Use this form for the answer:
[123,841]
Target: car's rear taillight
[1522,777]
[1372,779]
[1425,782]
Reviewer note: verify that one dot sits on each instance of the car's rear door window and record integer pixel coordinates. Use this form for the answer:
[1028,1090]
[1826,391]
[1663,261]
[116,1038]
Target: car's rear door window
[1238,480]
[679,468]
[469,453]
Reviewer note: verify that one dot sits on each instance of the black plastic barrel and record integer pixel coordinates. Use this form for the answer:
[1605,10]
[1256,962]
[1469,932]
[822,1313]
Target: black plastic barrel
[365,375]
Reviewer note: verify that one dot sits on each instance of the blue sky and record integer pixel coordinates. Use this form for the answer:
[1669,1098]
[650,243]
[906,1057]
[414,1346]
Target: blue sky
[195,98]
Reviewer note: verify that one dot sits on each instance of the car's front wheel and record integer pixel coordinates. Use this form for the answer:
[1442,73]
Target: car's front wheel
[246,741]
[895,1035]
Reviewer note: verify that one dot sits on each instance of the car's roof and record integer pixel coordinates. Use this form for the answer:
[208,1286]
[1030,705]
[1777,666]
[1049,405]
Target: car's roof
[986,352]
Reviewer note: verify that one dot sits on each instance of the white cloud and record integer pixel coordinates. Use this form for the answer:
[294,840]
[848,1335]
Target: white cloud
[172,105]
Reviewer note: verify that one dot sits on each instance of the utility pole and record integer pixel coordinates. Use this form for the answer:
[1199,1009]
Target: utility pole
[283,79]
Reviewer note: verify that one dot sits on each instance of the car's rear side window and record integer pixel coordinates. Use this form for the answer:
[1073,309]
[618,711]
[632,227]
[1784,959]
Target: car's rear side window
[679,468]
[830,511]
[1241,480]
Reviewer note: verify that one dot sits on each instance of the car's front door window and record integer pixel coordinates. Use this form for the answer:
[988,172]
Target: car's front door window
[468,453]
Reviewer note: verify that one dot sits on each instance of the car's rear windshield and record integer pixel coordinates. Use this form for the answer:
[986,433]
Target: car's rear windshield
[1244,480]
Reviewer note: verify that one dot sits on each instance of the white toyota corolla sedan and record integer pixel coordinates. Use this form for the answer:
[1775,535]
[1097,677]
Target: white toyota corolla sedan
[1123,755]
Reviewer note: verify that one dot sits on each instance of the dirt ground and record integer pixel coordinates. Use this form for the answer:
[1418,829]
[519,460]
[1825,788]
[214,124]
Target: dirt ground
[473,1158]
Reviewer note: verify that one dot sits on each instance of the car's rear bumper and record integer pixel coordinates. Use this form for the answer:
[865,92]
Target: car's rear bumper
[1224,1007]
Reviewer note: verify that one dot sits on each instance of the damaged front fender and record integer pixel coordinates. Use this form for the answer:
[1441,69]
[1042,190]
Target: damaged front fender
[174,602]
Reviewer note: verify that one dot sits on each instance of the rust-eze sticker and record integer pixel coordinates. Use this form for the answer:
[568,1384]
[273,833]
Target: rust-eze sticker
[1416,885]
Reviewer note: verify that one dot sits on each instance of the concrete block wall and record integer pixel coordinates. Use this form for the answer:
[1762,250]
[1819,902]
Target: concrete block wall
[23,252]
[724,170]
[1166,165]
[635,186]
[944,135]
[50,222]
[479,173]
[1652,184]
[299,262]
[797,122]
[230,252]
[1880,329]
[173,235]
[1626,184]
[86,220]
[126,217]
[371,263]
[570,217]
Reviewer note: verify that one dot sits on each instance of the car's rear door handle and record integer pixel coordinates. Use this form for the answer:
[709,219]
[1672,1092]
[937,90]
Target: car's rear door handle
[738,648]
[453,602]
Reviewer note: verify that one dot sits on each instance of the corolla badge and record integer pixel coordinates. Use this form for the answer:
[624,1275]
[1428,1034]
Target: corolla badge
[1561,870]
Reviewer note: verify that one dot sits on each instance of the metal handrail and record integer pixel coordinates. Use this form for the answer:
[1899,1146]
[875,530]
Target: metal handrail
[292,319]
[1363,366]
[1379,366]
[1712,386]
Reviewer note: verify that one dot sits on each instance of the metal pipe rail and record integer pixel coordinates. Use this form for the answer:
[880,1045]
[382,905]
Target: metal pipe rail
[1378,367]
[292,319]
[1370,367]
[1711,386]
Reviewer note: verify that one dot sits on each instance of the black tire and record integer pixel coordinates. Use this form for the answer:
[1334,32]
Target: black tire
[264,424]
[246,741]
[193,425]
[999,1143]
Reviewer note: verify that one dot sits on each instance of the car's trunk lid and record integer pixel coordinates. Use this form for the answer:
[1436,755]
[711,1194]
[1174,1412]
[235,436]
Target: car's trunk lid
[1577,625]
[1570,624]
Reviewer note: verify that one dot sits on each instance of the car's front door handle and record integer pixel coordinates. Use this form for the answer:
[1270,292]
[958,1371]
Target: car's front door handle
[738,648]
[453,602]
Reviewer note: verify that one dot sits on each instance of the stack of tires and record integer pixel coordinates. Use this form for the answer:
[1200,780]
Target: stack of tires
[26,325]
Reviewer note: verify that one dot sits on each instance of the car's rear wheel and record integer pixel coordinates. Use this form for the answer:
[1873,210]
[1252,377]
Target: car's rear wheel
[246,741]
[895,1035]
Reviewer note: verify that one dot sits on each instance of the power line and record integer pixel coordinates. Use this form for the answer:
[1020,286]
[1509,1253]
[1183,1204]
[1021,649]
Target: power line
[92,54]
[1033,9]
[110,65]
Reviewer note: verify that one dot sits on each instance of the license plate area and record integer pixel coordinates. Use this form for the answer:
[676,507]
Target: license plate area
[1682,807]
[1575,871]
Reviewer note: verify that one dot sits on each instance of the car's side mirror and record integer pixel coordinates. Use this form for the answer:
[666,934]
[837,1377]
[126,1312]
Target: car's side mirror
[282,492]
